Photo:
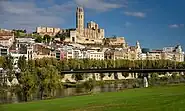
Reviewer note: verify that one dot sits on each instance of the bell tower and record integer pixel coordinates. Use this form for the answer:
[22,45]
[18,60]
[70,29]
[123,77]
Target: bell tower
[80,19]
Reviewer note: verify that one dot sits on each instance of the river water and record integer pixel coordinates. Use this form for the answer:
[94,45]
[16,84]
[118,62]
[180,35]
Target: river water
[65,92]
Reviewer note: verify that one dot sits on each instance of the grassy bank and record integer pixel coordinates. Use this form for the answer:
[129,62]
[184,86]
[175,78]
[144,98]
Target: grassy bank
[162,98]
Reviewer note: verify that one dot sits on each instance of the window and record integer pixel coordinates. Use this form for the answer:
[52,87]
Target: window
[73,39]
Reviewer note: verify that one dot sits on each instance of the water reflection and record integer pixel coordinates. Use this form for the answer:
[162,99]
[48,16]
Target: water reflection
[60,93]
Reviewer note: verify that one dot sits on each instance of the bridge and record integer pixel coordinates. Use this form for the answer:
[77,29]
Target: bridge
[114,70]
[144,72]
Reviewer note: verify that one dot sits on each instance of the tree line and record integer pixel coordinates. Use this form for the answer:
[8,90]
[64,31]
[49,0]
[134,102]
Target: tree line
[47,38]
[43,75]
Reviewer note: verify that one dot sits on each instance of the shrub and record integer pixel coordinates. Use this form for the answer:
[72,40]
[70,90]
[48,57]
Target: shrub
[89,85]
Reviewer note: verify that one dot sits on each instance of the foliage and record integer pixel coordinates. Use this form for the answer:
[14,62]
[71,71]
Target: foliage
[48,80]
[2,59]
[38,39]
[19,33]
[78,77]
[22,63]
[125,74]
[28,84]
[8,66]
[44,74]
[47,39]
[89,85]
[8,63]
[62,36]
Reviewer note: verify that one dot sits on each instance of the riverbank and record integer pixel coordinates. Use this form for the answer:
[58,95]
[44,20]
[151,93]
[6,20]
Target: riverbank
[169,97]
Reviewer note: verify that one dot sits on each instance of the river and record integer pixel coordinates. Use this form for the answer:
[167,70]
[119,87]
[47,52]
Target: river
[65,92]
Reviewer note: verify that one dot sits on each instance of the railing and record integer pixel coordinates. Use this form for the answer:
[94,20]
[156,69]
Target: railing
[107,70]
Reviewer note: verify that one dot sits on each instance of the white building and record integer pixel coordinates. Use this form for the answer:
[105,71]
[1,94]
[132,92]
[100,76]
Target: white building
[25,40]
[93,54]
[174,53]
[78,54]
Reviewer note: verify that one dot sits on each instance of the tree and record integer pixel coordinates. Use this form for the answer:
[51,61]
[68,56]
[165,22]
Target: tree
[38,39]
[46,38]
[89,84]
[42,80]
[54,79]
[8,65]
[24,31]
[22,64]
[62,36]
[8,62]
[2,59]
[28,84]
[48,80]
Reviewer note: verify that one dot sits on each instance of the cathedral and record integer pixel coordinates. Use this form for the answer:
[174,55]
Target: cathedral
[91,34]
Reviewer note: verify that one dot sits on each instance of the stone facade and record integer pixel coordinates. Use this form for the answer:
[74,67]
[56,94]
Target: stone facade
[47,31]
[115,41]
[6,38]
[127,53]
[168,53]
[91,34]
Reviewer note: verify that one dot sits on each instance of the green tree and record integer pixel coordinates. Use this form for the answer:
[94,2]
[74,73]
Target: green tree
[54,79]
[8,62]
[38,39]
[46,38]
[48,80]
[22,64]
[89,84]
[28,84]
[2,59]
[42,80]
[62,36]
[8,66]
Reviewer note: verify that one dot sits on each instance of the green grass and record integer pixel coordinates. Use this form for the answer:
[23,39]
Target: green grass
[162,98]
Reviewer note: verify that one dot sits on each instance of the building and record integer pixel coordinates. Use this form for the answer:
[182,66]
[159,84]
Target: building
[91,34]
[116,54]
[173,53]
[93,54]
[167,53]
[6,38]
[154,55]
[41,50]
[78,54]
[47,31]
[115,41]
[25,40]
[4,50]
[135,52]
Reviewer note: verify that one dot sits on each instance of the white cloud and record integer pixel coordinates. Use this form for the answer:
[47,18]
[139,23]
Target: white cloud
[127,24]
[28,14]
[176,25]
[98,5]
[135,14]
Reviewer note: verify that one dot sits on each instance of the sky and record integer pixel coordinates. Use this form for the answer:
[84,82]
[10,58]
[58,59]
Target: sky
[154,23]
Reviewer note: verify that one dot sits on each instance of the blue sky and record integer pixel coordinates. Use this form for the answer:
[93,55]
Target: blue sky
[155,23]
